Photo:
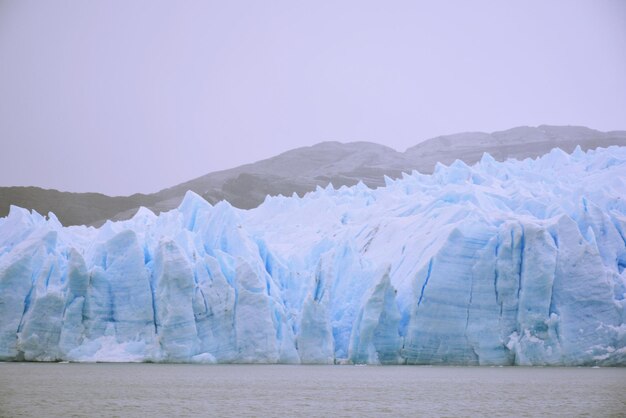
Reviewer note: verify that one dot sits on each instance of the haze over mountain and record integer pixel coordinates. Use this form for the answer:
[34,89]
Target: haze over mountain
[303,169]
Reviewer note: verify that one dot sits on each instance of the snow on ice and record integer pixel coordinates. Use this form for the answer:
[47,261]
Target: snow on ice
[520,262]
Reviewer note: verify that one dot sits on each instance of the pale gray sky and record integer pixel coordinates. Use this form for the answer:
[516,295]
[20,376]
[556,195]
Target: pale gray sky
[133,96]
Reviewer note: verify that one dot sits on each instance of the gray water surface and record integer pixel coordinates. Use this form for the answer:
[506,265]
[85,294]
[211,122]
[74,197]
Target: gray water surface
[140,390]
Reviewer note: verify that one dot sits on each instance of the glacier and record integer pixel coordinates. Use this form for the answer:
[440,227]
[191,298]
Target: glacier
[499,263]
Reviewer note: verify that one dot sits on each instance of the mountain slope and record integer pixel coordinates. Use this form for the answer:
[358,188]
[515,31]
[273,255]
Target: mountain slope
[302,169]
[520,142]
[71,208]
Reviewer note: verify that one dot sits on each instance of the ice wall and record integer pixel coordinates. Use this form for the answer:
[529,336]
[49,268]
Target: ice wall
[520,262]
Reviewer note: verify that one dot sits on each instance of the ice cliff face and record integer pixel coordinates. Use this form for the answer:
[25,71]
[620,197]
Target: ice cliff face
[519,262]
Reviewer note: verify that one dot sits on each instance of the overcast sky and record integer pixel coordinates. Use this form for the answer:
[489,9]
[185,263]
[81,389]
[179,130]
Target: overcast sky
[135,96]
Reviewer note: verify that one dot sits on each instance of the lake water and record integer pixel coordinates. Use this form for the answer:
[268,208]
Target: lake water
[139,390]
